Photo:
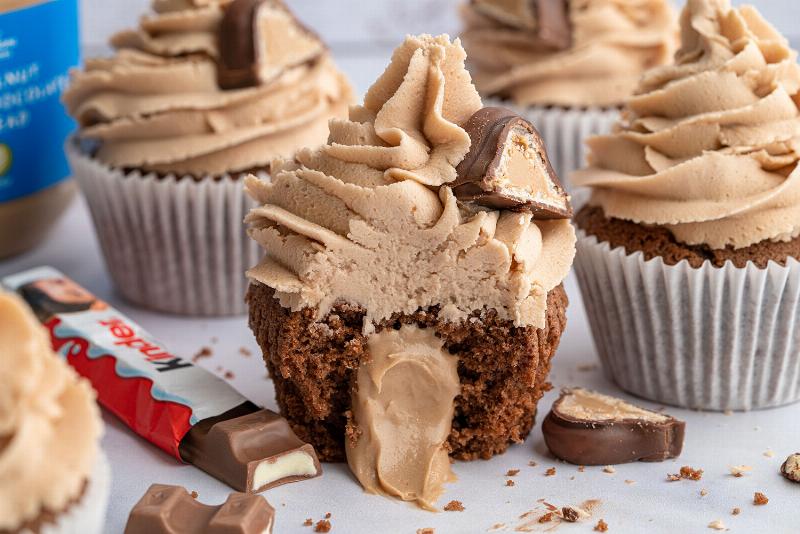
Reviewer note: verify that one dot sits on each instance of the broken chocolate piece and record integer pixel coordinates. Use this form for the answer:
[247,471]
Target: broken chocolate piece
[507,167]
[250,451]
[171,509]
[553,26]
[259,40]
[791,468]
[587,428]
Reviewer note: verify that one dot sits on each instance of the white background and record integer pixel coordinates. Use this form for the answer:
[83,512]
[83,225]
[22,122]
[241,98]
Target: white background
[362,33]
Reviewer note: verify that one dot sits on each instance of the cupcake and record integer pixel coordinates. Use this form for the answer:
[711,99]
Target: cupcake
[566,66]
[54,478]
[688,248]
[199,95]
[410,299]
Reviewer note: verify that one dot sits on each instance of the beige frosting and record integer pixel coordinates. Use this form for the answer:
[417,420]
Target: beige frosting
[156,104]
[709,146]
[404,408]
[614,42]
[49,422]
[585,405]
[369,219]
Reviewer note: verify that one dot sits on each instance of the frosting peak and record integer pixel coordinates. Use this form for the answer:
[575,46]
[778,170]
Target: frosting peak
[613,42]
[708,147]
[49,422]
[372,220]
[158,103]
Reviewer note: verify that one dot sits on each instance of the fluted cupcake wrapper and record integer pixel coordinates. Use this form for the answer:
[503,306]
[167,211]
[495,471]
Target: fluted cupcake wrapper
[172,244]
[709,338]
[564,131]
[88,515]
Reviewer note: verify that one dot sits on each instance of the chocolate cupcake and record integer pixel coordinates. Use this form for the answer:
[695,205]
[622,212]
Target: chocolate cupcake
[196,97]
[410,300]
[54,479]
[688,250]
[567,66]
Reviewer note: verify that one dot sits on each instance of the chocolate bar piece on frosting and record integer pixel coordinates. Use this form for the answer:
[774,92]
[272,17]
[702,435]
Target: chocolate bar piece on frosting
[170,509]
[507,167]
[251,451]
[587,428]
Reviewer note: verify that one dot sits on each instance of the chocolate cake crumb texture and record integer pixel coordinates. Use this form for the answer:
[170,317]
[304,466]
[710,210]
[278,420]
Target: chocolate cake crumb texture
[686,473]
[204,352]
[323,525]
[569,514]
[736,511]
[308,522]
[533,464]
[791,468]
[512,472]
[509,482]
[328,515]
[546,518]
[759,499]
[551,472]
[454,506]
[195,495]
[426,531]
[502,368]
[655,241]
[601,526]
[244,351]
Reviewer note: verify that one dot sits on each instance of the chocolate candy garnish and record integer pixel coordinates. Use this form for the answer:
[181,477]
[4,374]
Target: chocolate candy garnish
[587,428]
[250,451]
[259,40]
[171,510]
[507,167]
[549,20]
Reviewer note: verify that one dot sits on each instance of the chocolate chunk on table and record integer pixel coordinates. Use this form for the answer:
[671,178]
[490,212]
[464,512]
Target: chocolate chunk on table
[507,167]
[259,40]
[249,450]
[587,428]
[171,510]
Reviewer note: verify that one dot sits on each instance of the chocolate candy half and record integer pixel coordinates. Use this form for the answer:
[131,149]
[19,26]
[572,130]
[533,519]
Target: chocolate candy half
[548,20]
[170,509]
[259,40]
[587,428]
[251,451]
[507,167]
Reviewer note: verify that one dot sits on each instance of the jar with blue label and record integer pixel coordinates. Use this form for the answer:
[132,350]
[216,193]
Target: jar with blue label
[38,46]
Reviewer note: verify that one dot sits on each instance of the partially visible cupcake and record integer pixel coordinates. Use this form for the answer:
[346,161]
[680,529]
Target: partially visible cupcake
[566,66]
[54,478]
[199,95]
[688,250]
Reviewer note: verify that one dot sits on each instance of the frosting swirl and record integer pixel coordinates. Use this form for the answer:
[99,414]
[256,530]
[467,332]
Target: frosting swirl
[49,422]
[613,43]
[709,146]
[157,105]
[370,218]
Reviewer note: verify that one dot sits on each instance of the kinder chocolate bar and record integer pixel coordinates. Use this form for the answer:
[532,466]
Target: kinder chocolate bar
[181,408]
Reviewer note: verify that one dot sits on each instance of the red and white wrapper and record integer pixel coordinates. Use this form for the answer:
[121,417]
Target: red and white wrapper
[159,395]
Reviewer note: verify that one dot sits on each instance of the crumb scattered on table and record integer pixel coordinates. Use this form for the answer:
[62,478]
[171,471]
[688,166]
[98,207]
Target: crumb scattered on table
[601,526]
[739,470]
[736,511]
[512,472]
[569,514]
[308,522]
[630,482]
[759,499]
[195,495]
[791,468]
[581,468]
[244,351]
[454,506]
[204,352]
[703,492]
[328,515]
[609,469]
[426,531]
[717,525]
[323,525]
[509,482]
[551,472]
[686,473]
[769,453]
[546,518]
[229,375]
[532,463]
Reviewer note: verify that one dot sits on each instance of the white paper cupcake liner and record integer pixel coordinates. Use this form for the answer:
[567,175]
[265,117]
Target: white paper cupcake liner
[172,244]
[564,132]
[709,338]
[89,514]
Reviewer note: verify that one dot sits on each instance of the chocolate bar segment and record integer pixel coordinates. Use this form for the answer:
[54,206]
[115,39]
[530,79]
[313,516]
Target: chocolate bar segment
[259,40]
[507,167]
[171,510]
[587,428]
[553,25]
[249,450]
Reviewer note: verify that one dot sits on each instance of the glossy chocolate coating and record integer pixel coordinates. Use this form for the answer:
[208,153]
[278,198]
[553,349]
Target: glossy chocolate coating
[611,441]
[231,447]
[480,171]
[171,510]
[553,26]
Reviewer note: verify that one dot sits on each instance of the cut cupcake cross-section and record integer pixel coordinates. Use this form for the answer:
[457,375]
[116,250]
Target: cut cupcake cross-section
[401,321]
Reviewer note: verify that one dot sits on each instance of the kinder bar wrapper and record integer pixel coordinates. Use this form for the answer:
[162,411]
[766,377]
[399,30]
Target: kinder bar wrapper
[159,395]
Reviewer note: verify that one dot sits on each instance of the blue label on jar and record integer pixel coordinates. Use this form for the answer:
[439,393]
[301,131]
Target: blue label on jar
[38,46]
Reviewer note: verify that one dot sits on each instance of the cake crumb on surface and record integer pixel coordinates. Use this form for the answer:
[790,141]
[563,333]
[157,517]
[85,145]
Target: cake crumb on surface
[546,518]
[739,470]
[512,472]
[569,514]
[686,473]
[244,351]
[454,506]
[791,468]
[426,531]
[630,482]
[769,453]
[581,468]
[229,375]
[195,494]
[323,525]
[532,463]
[204,352]
[509,482]
[496,527]
[550,472]
[328,515]
[717,525]
[609,469]
[759,499]
[308,522]
[703,492]
[736,511]
[601,526]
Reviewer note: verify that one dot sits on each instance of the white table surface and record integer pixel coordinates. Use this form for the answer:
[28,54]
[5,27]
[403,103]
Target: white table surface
[648,504]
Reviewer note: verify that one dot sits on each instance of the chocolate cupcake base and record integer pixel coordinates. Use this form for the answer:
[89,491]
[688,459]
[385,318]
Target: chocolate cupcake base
[715,332]
[503,370]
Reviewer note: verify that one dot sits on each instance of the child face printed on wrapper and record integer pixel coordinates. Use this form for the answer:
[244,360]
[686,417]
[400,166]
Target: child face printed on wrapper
[53,296]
